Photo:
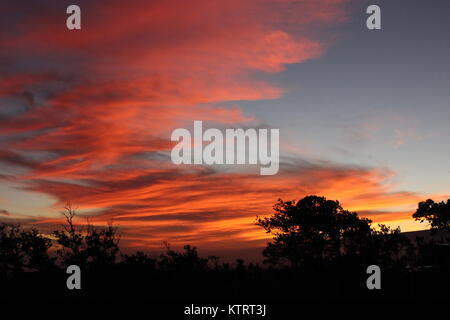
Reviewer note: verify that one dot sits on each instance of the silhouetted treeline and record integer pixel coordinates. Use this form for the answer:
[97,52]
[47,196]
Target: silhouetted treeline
[319,249]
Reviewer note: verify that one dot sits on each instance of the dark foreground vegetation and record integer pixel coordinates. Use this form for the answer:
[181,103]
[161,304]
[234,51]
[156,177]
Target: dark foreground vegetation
[319,250]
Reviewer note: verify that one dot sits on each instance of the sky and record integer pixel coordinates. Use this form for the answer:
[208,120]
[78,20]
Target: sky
[86,115]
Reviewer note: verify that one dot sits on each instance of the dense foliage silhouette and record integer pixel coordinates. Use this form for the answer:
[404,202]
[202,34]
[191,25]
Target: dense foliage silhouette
[437,214]
[318,249]
[88,247]
[318,232]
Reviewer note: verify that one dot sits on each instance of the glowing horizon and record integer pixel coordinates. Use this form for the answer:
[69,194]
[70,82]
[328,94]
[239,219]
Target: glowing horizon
[86,116]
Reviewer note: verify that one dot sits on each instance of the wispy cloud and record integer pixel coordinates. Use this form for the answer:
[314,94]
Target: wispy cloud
[88,114]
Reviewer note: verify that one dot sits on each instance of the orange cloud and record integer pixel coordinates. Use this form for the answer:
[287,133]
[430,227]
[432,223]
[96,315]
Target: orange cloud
[90,112]
[210,208]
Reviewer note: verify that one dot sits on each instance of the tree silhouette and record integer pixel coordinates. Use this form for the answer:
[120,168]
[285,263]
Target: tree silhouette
[436,213]
[328,247]
[188,260]
[315,231]
[387,247]
[312,231]
[88,246]
[22,250]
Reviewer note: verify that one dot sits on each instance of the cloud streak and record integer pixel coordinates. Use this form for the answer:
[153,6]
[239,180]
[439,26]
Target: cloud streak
[86,116]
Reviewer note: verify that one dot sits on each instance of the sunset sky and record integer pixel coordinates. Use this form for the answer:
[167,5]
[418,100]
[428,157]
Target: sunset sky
[86,116]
